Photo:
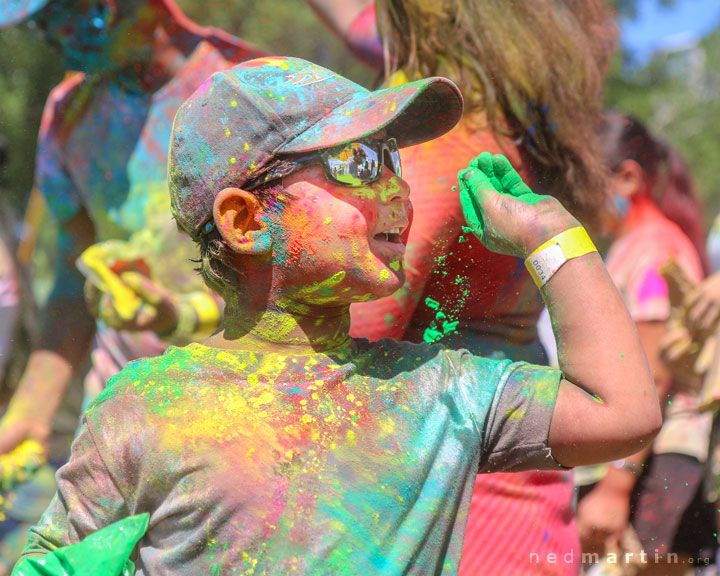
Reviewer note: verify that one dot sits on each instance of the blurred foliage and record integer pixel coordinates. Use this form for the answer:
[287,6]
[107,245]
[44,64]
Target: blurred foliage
[28,70]
[282,27]
[677,94]
[629,8]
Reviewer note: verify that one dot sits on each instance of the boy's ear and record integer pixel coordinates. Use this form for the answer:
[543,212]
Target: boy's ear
[237,216]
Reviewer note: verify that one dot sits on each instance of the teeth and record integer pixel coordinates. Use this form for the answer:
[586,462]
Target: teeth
[391,232]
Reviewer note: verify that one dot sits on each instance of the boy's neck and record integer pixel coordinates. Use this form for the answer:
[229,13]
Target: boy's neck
[291,329]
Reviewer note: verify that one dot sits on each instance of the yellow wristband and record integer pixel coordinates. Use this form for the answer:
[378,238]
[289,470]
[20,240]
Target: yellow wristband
[551,255]
[208,314]
[198,317]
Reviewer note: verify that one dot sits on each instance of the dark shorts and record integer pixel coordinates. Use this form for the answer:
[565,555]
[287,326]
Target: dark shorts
[668,509]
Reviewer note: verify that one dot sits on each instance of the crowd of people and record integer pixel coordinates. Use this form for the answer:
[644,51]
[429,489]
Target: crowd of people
[304,350]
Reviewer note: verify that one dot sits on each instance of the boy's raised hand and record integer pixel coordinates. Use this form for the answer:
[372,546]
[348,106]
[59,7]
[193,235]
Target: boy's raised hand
[502,211]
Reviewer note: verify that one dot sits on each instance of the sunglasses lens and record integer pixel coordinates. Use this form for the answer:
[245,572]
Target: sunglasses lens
[394,154]
[354,164]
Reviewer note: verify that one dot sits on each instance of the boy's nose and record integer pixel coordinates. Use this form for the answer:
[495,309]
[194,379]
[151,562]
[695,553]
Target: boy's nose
[394,188]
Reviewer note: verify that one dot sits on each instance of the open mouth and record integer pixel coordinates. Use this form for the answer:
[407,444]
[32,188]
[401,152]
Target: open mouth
[393,235]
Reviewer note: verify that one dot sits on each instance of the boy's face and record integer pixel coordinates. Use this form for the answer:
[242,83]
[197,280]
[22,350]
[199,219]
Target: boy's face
[338,244]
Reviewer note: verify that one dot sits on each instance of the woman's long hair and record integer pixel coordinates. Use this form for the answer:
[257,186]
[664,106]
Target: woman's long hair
[534,69]
[626,138]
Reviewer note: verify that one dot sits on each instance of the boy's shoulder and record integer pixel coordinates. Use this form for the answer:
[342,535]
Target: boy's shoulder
[389,357]
[151,378]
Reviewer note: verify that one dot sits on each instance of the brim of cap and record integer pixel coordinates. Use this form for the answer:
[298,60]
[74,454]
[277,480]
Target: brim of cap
[411,113]
[15,11]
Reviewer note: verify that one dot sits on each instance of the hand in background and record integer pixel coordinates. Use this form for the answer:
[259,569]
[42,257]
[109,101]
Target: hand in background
[602,516]
[15,431]
[680,353]
[158,309]
[703,305]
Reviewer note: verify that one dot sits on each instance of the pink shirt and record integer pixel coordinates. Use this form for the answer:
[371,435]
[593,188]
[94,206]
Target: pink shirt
[634,262]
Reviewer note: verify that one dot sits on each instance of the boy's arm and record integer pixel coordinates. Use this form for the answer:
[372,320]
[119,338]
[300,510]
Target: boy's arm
[606,406]
[87,499]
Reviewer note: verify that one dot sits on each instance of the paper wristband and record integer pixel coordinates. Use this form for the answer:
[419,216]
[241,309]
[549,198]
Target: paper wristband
[198,318]
[550,256]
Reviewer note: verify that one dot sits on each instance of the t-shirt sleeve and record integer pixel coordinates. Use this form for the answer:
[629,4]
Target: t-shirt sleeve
[87,499]
[646,293]
[518,425]
[515,423]
[634,265]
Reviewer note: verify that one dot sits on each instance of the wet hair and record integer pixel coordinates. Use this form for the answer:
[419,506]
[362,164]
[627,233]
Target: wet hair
[534,68]
[671,187]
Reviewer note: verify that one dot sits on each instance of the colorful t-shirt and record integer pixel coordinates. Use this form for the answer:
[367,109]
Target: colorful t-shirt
[634,262]
[362,461]
[103,148]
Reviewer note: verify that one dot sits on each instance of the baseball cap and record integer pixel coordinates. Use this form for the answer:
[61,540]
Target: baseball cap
[14,11]
[243,117]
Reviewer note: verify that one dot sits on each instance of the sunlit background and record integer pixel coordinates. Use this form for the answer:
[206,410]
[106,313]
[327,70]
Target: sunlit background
[667,72]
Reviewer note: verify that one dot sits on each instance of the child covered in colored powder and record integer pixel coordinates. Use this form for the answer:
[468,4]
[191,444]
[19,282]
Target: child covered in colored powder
[281,445]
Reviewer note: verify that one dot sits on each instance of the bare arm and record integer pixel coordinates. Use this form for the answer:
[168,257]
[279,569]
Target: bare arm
[67,330]
[606,406]
[605,512]
[353,21]
[338,15]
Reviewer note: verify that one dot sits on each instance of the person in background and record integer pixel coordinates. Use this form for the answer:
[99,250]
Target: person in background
[354,22]
[9,287]
[659,490]
[101,166]
[532,79]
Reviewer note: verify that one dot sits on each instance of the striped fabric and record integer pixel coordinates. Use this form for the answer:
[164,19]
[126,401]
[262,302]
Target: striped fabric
[517,522]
